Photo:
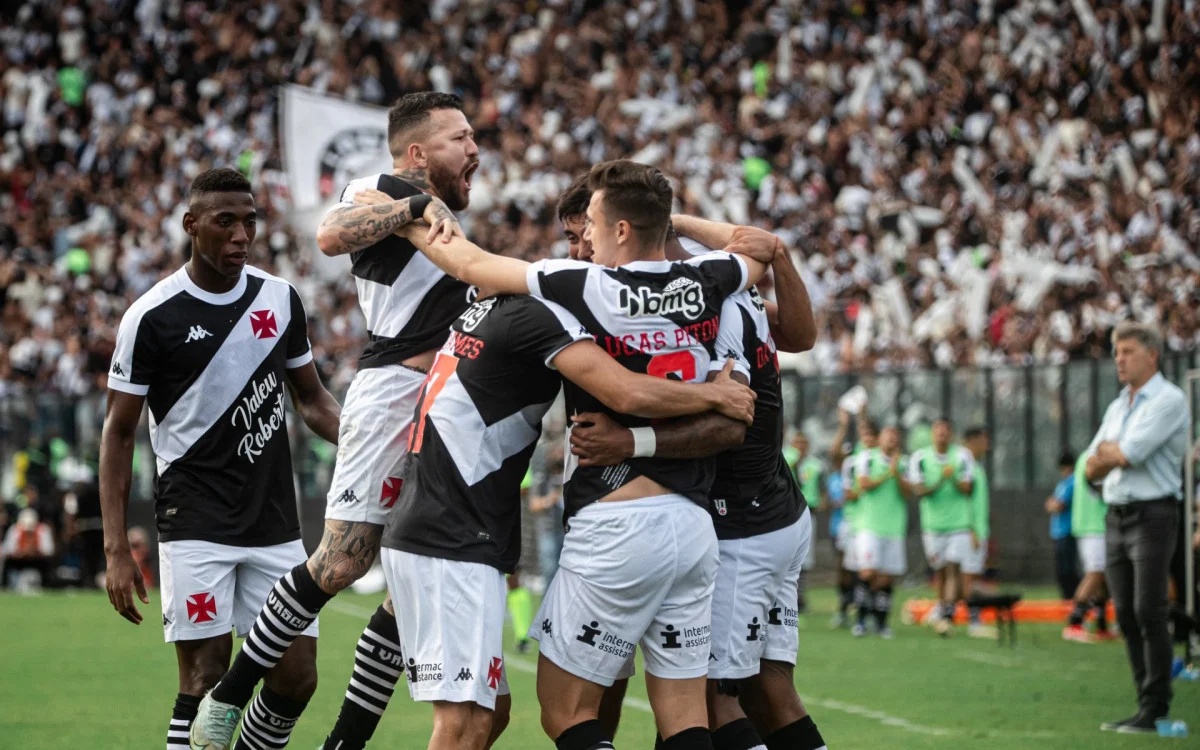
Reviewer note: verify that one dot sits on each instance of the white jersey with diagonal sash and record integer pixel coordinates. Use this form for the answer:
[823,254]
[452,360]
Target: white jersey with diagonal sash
[409,303]
[478,420]
[213,370]
[656,317]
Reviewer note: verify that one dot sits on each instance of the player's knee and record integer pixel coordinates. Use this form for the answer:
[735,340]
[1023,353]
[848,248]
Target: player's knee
[466,724]
[295,676]
[201,676]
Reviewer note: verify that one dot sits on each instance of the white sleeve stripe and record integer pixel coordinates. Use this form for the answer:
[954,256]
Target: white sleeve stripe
[532,281]
[126,387]
[575,339]
[300,361]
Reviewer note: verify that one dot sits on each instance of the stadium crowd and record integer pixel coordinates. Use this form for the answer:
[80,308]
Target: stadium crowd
[967,183]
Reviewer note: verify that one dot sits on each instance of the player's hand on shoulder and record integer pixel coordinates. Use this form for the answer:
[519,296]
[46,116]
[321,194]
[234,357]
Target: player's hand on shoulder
[753,242]
[597,440]
[441,220]
[736,399]
[122,578]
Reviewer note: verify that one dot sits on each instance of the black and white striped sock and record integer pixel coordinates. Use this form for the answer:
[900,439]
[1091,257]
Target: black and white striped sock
[181,721]
[268,723]
[377,668]
[290,608]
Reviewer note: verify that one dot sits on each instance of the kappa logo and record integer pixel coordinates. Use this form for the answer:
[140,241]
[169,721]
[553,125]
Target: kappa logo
[495,672]
[547,627]
[589,633]
[346,498]
[753,626]
[681,296]
[263,324]
[464,675]
[116,369]
[201,607]
[196,333]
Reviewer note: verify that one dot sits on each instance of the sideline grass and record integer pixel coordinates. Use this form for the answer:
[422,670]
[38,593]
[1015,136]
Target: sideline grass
[76,675]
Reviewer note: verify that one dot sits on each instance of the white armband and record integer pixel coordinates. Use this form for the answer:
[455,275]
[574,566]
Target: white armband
[644,442]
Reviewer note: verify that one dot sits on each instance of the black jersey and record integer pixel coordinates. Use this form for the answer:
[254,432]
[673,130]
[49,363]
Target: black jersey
[755,491]
[408,302]
[212,368]
[478,420]
[654,317]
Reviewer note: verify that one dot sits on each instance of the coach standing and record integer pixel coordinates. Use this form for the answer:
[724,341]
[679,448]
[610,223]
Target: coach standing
[1138,453]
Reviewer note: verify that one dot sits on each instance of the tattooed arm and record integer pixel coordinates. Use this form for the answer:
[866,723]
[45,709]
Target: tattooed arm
[347,551]
[374,215]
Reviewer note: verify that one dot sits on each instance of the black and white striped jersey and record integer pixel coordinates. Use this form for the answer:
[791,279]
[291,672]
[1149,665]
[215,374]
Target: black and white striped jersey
[477,423]
[213,368]
[755,491]
[409,303]
[654,317]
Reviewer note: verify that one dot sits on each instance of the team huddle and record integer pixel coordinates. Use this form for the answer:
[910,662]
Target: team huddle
[685,528]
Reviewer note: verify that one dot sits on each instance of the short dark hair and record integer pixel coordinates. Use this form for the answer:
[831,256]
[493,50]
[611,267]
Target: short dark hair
[974,432]
[943,418]
[412,110]
[1067,458]
[220,180]
[637,193]
[574,200]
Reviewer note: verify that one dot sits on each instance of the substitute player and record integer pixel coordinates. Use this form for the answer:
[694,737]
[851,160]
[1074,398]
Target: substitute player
[882,521]
[1088,514]
[213,350]
[409,306]
[941,475]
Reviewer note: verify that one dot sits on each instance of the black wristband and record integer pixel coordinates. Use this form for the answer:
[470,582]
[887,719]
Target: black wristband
[418,203]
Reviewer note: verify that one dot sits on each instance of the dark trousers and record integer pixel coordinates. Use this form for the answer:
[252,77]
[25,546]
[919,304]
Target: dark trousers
[1140,540]
[1066,565]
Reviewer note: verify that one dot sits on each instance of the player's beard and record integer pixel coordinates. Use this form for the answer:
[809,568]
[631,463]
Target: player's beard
[449,187]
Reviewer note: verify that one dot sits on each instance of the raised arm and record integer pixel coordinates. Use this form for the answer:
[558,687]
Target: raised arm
[599,441]
[123,577]
[373,215]
[793,324]
[713,234]
[467,262]
[313,402]
[626,392]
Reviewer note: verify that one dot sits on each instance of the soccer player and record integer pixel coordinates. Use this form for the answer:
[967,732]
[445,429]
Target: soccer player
[214,349]
[760,515]
[941,476]
[455,530]
[846,454]
[1088,513]
[639,555]
[810,474]
[409,306]
[882,521]
[978,442]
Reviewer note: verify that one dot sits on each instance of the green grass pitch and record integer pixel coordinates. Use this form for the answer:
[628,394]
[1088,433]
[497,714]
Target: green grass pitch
[76,675]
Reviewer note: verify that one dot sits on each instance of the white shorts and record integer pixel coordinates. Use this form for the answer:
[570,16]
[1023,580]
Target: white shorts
[845,543]
[451,620]
[976,559]
[882,554]
[1092,556]
[209,589]
[946,549]
[753,575]
[783,619]
[632,572]
[372,443]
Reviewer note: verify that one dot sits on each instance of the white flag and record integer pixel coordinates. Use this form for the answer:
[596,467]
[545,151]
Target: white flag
[328,141]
